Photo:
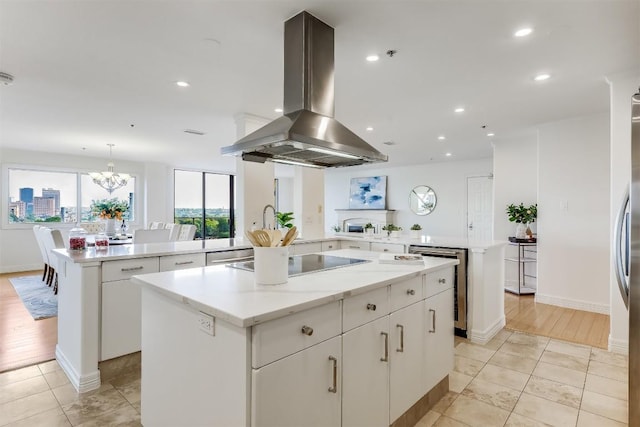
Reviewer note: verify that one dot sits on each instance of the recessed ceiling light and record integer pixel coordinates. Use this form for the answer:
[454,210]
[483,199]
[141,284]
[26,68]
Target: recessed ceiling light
[522,32]
[491,134]
[459,110]
[448,154]
[278,110]
[182,84]
[541,77]
[369,128]
[372,58]
[441,137]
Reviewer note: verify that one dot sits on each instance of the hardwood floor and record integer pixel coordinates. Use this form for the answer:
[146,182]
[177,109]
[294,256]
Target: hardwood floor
[583,327]
[23,341]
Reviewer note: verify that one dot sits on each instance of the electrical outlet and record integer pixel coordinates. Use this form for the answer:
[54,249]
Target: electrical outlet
[206,323]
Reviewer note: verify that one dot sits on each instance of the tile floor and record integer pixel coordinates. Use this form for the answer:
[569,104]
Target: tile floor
[514,380]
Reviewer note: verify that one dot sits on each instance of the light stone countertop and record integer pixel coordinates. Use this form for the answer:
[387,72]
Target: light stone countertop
[231,294]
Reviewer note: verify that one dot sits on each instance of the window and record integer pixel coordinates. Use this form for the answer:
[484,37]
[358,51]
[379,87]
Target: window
[53,196]
[206,200]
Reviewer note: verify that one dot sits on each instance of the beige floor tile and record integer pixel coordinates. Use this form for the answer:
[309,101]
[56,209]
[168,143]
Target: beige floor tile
[130,391]
[51,418]
[560,374]
[503,335]
[546,411]
[586,419]
[49,366]
[502,376]
[122,417]
[582,351]
[497,341]
[137,406]
[517,363]
[522,350]
[467,366]
[22,388]
[459,340]
[66,394]
[565,360]
[493,394]
[26,407]
[607,386]
[444,421]
[554,391]
[445,402]
[476,413]
[526,339]
[428,420]
[517,420]
[608,371]
[604,356]
[56,378]
[606,406]
[473,351]
[89,407]
[458,381]
[19,375]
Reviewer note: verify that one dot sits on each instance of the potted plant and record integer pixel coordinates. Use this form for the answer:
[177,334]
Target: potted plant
[392,230]
[284,219]
[336,228]
[368,228]
[523,216]
[415,231]
[109,210]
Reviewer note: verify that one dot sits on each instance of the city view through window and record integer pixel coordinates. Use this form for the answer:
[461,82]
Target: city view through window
[66,197]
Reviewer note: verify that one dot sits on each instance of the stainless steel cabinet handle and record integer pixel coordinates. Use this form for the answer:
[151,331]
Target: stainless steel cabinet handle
[371,307]
[411,292]
[385,250]
[401,349]
[334,388]
[386,347]
[617,251]
[442,280]
[132,268]
[330,246]
[433,321]
[184,263]
[354,247]
[307,330]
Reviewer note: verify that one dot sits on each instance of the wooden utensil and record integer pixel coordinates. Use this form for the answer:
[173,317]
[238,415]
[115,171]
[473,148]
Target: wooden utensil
[262,238]
[290,236]
[276,237]
[251,238]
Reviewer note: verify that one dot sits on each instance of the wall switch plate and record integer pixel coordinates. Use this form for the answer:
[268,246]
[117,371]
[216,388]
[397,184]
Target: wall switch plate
[206,323]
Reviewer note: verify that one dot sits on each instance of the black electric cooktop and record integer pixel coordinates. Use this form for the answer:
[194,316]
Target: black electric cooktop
[303,264]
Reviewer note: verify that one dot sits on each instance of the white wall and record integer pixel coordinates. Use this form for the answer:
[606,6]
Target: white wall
[573,213]
[308,201]
[285,194]
[448,180]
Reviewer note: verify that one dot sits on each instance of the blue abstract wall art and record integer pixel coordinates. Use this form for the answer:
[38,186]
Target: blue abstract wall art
[368,193]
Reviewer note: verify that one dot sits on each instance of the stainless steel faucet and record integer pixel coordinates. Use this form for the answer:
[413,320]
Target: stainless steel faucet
[264,217]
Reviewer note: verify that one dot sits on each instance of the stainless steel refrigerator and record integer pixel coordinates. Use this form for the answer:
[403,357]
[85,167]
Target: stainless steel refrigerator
[627,256]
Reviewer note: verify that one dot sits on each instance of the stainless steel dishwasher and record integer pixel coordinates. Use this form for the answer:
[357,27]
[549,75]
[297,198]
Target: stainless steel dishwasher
[460,281]
[228,256]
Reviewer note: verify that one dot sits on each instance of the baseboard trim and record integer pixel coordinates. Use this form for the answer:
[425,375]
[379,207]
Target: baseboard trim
[483,337]
[82,383]
[618,346]
[20,268]
[574,304]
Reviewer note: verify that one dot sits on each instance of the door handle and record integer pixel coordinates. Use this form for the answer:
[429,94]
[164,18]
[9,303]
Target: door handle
[386,347]
[401,349]
[471,226]
[334,388]
[617,250]
[433,321]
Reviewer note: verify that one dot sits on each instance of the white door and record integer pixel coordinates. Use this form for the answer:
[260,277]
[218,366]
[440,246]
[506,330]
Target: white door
[480,207]
[303,389]
[439,337]
[365,375]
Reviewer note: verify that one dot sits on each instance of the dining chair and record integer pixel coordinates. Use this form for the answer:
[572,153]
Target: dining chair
[43,251]
[175,231]
[52,239]
[155,225]
[151,236]
[187,232]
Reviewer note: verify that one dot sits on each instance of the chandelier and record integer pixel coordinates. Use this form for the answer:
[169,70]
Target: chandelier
[109,180]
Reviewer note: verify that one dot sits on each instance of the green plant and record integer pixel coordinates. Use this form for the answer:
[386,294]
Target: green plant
[522,214]
[368,226]
[109,208]
[336,228]
[285,219]
[416,227]
[391,227]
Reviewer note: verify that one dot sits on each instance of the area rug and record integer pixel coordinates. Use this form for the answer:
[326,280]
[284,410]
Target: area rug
[36,296]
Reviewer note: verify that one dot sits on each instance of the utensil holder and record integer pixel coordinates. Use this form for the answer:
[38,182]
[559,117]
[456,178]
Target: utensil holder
[271,265]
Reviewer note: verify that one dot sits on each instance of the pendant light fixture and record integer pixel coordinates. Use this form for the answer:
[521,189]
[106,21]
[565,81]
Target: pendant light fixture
[109,180]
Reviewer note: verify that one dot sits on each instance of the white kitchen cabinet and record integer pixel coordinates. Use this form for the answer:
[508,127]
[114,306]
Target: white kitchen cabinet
[439,337]
[304,389]
[396,248]
[365,375]
[406,348]
[181,262]
[305,248]
[350,244]
[330,245]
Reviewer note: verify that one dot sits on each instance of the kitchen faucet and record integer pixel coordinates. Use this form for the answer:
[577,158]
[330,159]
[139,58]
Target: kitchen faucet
[264,217]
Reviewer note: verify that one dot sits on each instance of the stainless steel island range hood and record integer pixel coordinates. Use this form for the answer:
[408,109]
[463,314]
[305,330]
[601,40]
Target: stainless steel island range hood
[307,134]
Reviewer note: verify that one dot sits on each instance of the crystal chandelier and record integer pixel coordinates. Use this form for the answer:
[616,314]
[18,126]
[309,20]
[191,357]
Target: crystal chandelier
[109,180]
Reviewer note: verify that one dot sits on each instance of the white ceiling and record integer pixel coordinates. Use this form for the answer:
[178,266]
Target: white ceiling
[86,71]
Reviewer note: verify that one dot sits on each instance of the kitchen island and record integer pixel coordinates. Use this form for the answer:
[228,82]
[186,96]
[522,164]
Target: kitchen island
[357,345]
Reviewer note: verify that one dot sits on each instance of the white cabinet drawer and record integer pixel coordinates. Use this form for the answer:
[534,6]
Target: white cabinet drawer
[360,309]
[305,248]
[330,245]
[395,248]
[349,244]
[124,269]
[180,262]
[438,281]
[406,293]
[281,337]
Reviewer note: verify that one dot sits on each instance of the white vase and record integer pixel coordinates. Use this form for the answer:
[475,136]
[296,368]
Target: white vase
[415,234]
[521,231]
[110,227]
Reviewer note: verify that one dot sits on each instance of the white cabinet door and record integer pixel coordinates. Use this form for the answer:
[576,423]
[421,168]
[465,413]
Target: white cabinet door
[303,389]
[365,375]
[121,318]
[350,244]
[395,248]
[181,262]
[330,245]
[406,349]
[305,248]
[439,337]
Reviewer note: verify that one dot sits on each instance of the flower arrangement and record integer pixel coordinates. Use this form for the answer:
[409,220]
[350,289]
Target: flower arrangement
[522,214]
[109,208]
[416,227]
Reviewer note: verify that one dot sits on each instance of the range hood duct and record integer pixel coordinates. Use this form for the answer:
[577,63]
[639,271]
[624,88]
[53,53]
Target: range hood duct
[307,134]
